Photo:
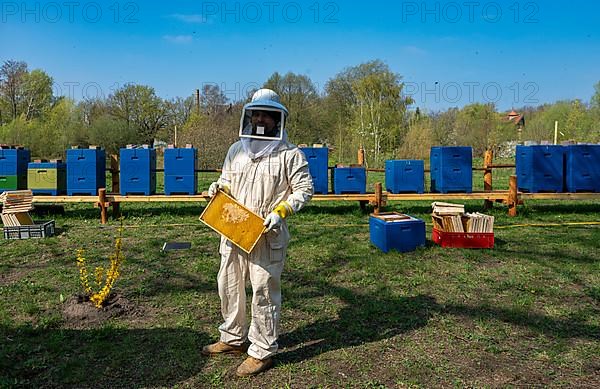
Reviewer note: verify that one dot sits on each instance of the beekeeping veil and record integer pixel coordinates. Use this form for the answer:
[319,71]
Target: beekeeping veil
[258,140]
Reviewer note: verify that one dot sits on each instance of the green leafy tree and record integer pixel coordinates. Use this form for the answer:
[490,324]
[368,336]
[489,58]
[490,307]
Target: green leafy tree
[141,109]
[18,131]
[212,135]
[366,102]
[444,127]
[111,133]
[299,94]
[23,92]
[540,125]
[36,99]
[339,103]
[575,126]
[595,103]
[475,126]
[418,140]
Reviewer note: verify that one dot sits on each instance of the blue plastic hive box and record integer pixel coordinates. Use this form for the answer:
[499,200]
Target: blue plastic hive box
[13,168]
[349,180]
[451,169]
[318,162]
[396,231]
[44,181]
[86,171]
[180,171]
[405,176]
[540,168]
[138,171]
[582,168]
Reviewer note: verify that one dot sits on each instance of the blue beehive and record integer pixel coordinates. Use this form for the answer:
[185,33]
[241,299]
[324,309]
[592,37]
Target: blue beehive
[318,161]
[48,178]
[451,169]
[180,171]
[404,176]
[86,171]
[13,168]
[582,168]
[540,168]
[396,231]
[138,171]
[349,180]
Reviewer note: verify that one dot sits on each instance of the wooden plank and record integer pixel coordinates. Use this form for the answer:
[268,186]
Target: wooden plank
[156,198]
[495,195]
[65,199]
[24,219]
[560,196]
[344,197]
[501,166]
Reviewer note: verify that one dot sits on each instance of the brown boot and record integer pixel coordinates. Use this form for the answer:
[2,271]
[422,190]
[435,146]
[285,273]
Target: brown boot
[222,348]
[252,366]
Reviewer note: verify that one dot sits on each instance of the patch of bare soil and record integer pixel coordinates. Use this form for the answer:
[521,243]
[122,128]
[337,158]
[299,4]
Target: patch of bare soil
[79,312]
[12,277]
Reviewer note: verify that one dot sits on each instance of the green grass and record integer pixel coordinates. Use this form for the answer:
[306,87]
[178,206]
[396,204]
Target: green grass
[526,313]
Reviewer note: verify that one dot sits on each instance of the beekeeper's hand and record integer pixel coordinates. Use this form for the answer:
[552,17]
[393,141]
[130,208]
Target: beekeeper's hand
[214,188]
[273,221]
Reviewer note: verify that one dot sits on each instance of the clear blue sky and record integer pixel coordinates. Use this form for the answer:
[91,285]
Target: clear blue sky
[450,53]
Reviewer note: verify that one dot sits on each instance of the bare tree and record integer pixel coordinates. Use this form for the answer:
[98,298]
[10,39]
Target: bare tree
[12,74]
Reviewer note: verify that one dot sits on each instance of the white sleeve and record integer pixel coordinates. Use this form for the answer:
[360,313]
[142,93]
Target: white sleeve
[299,179]
[225,178]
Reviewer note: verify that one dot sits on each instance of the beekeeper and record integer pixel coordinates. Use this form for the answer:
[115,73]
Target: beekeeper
[270,176]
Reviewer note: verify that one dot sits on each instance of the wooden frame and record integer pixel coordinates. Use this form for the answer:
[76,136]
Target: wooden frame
[234,221]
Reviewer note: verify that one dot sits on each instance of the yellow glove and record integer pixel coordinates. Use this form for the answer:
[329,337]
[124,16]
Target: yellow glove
[284,209]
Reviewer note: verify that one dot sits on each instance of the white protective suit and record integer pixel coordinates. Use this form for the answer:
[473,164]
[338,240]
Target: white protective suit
[261,184]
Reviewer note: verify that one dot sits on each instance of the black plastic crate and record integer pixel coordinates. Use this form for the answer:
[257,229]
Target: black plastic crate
[41,229]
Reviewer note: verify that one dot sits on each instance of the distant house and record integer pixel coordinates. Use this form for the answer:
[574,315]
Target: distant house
[517,118]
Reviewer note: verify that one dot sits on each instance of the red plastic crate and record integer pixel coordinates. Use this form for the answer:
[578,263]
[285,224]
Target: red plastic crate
[465,240]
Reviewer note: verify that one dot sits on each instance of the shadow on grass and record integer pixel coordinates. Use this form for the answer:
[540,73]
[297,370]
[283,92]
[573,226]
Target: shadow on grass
[167,276]
[561,208]
[101,358]
[363,318]
[558,328]
[544,256]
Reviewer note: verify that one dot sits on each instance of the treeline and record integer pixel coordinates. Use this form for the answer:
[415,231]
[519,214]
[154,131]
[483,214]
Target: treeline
[363,105]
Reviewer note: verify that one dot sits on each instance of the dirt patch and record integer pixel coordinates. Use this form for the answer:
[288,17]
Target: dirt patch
[12,277]
[79,312]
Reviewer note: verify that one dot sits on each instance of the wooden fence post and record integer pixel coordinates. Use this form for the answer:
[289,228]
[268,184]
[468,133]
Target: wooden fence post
[513,199]
[115,173]
[487,176]
[361,156]
[378,198]
[114,170]
[102,205]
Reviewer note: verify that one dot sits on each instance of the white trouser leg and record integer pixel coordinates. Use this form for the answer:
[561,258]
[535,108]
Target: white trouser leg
[265,267]
[231,279]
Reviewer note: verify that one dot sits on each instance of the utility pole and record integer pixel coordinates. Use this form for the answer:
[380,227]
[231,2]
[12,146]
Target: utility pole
[198,101]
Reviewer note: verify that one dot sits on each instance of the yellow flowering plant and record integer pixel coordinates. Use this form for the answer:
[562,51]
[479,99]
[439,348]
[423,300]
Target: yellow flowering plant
[103,279]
